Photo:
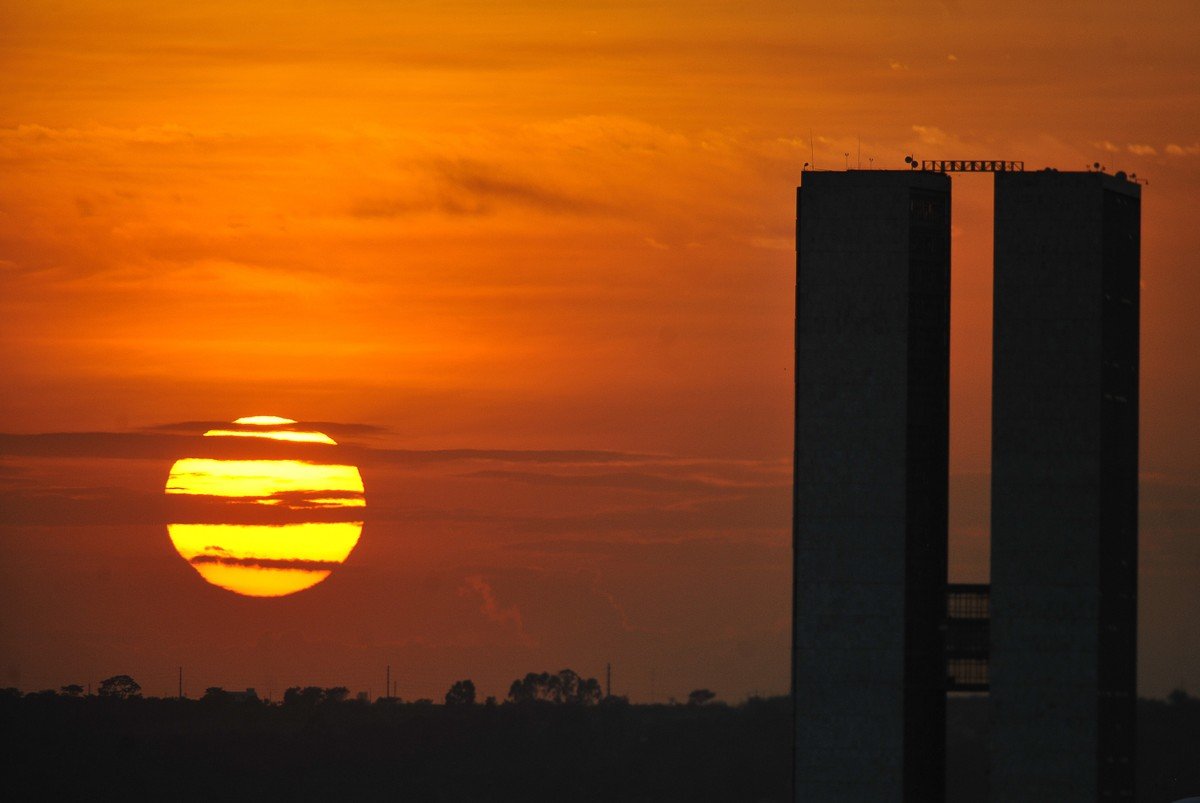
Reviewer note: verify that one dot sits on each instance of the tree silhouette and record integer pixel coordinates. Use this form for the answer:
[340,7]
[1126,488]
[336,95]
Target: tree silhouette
[700,697]
[72,690]
[534,687]
[337,694]
[309,695]
[588,692]
[215,694]
[575,690]
[564,687]
[122,687]
[461,693]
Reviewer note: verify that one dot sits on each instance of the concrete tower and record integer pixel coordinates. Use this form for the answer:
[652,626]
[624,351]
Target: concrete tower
[871,452]
[1064,486]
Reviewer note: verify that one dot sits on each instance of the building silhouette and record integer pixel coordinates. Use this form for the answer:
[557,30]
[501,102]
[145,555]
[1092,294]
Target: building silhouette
[879,637]
[872,399]
[1064,486]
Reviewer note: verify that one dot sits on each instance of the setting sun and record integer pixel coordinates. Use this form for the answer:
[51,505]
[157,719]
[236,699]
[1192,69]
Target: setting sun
[276,558]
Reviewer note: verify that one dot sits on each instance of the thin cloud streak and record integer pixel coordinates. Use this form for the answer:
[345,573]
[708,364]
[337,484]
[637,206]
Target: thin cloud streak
[628,480]
[167,446]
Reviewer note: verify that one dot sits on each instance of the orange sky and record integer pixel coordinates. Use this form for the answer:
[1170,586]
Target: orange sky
[514,227]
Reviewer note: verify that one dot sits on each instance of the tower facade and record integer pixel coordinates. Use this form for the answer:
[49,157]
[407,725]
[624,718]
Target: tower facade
[870,498]
[1064,486]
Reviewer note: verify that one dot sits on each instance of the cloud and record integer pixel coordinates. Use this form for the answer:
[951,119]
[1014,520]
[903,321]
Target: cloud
[629,480]
[67,505]
[1143,150]
[170,446]
[166,134]
[164,446]
[328,427]
[509,617]
[619,609]
[281,508]
[118,445]
[484,182]
[677,551]
[423,456]
[10,472]
[929,135]
[460,186]
[762,509]
[393,207]
[82,506]
[268,563]
[1183,150]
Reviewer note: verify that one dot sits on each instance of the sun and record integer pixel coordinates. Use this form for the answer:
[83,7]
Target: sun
[265,512]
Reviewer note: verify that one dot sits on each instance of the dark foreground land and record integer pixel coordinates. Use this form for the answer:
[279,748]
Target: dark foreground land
[79,748]
[171,749]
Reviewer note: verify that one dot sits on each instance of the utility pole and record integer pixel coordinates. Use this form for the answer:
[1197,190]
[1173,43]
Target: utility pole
[387,687]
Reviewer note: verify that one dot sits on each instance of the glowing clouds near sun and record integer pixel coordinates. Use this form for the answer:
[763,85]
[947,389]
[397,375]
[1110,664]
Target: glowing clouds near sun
[270,525]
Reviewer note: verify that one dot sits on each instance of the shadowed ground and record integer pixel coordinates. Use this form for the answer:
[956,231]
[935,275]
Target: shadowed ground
[69,747]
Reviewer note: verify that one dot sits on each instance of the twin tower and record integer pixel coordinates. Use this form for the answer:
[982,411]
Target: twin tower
[870,660]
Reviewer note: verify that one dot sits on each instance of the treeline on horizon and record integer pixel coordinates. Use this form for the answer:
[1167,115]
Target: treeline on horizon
[565,687]
[555,737]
